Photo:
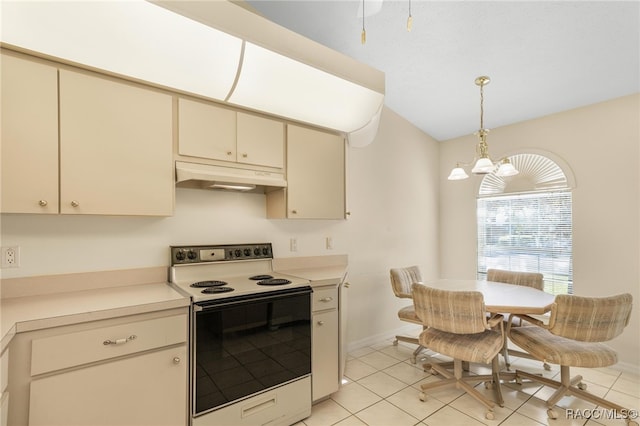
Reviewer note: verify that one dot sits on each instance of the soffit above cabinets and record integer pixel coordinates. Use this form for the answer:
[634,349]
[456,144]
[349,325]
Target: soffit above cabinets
[213,49]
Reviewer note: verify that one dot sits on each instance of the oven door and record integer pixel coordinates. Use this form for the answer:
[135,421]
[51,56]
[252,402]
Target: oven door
[248,344]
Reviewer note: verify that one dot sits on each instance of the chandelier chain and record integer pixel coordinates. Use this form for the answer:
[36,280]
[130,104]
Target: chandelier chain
[481,106]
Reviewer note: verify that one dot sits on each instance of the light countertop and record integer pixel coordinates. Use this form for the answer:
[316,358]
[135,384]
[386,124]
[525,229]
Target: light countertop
[320,270]
[34,303]
[51,309]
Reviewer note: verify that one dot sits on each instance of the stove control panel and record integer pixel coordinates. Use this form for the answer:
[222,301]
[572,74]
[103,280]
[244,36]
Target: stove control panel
[184,255]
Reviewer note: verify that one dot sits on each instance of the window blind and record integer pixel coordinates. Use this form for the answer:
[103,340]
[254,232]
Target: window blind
[529,232]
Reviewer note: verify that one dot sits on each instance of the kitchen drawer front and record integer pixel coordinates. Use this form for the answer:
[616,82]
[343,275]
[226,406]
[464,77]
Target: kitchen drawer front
[325,298]
[69,350]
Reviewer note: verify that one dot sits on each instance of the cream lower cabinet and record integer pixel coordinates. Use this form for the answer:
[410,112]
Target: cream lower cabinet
[125,371]
[315,177]
[79,143]
[325,354]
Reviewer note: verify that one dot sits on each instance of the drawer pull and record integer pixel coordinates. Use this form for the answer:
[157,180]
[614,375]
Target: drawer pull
[119,341]
[176,360]
[320,322]
[326,299]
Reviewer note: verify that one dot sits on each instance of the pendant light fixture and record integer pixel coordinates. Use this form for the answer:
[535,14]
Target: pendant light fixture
[409,19]
[482,162]
[363,36]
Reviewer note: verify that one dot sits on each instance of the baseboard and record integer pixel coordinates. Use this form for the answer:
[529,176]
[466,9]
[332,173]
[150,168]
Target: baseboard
[626,367]
[408,330]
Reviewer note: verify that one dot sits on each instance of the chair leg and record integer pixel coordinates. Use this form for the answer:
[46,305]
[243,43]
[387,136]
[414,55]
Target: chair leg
[456,378]
[567,386]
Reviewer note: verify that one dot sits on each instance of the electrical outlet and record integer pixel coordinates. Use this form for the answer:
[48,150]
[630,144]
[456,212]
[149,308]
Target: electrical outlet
[329,243]
[293,244]
[11,257]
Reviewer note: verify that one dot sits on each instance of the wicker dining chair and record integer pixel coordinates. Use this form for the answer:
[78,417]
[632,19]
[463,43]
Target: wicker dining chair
[457,326]
[573,338]
[401,281]
[527,279]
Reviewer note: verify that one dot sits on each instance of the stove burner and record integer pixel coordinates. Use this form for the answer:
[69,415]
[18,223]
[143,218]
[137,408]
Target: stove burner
[274,281]
[201,284]
[261,277]
[211,290]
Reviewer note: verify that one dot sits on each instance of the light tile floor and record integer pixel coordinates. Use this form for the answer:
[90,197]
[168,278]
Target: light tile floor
[381,388]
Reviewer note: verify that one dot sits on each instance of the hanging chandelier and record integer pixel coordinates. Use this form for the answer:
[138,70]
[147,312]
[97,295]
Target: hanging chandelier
[483,164]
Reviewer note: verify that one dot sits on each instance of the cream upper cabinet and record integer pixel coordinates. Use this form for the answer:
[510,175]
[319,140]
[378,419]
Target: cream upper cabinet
[206,131]
[260,141]
[29,141]
[77,143]
[115,147]
[217,133]
[315,177]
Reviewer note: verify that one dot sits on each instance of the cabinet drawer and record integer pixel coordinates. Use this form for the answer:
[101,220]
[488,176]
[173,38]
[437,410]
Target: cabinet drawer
[325,298]
[69,350]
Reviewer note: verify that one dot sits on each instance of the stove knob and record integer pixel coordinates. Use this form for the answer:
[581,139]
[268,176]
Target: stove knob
[180,255]
[247,252]
[238,253]
[265,250]
[256,251]
[191,254]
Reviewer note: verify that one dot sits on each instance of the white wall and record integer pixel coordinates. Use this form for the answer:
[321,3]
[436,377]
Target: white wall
[392,195]
[601,145]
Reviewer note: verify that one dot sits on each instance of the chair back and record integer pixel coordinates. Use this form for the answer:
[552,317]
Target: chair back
[590,319]
[459,312]
[403,278]
[529,279]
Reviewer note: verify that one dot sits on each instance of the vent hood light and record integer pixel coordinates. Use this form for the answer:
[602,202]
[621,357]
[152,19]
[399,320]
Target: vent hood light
[131,38]
[207,176]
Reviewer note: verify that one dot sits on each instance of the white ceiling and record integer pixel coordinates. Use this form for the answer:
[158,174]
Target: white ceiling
[542,56]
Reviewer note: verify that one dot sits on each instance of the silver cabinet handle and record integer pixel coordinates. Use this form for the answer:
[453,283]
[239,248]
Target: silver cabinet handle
[119,341]
[244,155]
[74,203]
[229,152]
[320,322]
[43,203]
[326,299]
[176,360]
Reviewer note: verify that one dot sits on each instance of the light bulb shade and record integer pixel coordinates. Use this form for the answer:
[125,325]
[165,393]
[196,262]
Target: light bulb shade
[483,166]
[458,174]
[506,169]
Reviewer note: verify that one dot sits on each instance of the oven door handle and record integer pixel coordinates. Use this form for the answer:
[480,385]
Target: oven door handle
[204,306]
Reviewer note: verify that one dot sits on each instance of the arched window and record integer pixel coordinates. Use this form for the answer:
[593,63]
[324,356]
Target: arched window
[525,221]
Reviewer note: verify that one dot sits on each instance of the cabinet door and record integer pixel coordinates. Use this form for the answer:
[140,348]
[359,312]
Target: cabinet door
[324,354]
[115,147]
[315,174]
[148,389]
[206,131]
[29,141]
[260,141]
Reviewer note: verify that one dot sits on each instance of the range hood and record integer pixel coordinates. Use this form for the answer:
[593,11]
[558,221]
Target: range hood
[207,176]
[213,49]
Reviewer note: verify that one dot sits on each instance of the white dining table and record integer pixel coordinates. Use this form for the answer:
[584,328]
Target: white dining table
[501,297]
